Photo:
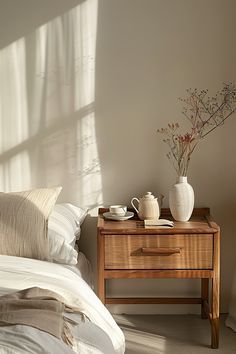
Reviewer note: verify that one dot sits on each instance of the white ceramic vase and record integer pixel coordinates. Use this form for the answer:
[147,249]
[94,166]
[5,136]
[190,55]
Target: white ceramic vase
[181,199]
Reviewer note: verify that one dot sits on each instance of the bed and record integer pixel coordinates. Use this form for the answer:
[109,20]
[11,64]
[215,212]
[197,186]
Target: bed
[66,272]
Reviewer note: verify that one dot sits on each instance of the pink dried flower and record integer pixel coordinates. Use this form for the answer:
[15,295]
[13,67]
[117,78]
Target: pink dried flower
[204,114]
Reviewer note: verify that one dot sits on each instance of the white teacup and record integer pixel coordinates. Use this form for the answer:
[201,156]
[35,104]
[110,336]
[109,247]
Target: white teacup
[119,210]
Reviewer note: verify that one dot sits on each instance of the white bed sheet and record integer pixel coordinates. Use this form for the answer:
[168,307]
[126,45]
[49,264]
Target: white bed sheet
[18,273]
[83,268]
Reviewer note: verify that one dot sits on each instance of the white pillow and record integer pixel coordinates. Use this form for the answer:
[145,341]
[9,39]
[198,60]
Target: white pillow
[63,229]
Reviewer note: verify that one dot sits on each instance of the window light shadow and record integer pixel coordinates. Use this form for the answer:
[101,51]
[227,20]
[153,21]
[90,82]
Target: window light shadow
[47,115]
[139,341]
[167,334]
[30,15]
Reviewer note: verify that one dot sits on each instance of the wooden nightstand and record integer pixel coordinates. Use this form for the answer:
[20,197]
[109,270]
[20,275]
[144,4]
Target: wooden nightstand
[126,249]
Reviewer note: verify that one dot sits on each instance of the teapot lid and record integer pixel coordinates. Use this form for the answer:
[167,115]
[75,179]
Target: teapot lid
[148,196]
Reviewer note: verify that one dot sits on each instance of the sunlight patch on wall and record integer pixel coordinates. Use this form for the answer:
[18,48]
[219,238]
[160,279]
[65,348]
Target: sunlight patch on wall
[14,175]
[13,103]
[47,114]
[88,165]
[85,22]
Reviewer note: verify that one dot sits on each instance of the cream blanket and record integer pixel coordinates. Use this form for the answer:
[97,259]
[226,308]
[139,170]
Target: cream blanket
[39,308]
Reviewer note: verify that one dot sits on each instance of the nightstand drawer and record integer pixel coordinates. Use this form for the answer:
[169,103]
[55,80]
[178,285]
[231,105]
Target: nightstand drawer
[159,251]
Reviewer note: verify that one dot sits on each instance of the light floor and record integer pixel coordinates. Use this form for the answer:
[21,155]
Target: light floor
[173,334]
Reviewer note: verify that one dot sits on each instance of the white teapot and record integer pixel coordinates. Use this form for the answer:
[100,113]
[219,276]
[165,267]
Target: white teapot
[148,207]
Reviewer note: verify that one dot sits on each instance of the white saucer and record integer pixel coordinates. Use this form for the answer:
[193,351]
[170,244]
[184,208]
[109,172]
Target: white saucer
[110,216]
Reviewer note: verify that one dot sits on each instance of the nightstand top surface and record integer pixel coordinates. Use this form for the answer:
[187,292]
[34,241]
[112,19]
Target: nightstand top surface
[200,222]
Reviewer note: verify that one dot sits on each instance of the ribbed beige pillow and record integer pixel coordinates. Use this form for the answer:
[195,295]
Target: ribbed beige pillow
[23,222]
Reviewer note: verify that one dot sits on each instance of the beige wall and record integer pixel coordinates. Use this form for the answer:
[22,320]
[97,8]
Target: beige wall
[102,146]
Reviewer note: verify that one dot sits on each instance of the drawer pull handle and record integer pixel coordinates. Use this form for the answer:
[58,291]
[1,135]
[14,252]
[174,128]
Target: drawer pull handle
[159,251]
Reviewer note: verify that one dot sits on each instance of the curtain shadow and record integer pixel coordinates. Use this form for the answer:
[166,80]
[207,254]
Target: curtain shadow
[47,115]
[19,19]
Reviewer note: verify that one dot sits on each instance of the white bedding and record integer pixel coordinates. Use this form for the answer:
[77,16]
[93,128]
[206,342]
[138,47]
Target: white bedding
[18,273]
[83,268]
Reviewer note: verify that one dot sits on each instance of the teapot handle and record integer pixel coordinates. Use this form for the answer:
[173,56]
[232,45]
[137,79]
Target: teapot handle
[132,203]
[161,197]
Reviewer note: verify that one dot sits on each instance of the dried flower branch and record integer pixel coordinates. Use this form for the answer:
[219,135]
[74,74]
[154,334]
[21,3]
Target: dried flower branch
[204,114]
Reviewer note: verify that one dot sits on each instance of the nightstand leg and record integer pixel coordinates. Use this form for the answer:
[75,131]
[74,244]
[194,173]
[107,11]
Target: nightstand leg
[215,314]
[100,266]
[204,296]
[215,294]
[215,333]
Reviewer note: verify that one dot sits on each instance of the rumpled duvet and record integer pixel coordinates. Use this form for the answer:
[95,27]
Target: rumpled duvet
[39,308]
[100,335]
